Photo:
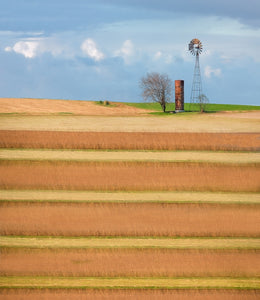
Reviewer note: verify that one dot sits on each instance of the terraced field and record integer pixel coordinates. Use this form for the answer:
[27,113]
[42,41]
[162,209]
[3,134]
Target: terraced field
[129,215]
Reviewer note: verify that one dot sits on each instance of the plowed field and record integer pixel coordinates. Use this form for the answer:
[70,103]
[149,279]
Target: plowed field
[129,176]
[168,210]
[130,140]
[129,220]
[129,262]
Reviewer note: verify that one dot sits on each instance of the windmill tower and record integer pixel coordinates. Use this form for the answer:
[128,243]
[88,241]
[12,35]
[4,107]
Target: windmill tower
[195,47]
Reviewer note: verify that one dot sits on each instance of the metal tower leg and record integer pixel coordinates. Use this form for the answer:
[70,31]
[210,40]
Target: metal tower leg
[196,85]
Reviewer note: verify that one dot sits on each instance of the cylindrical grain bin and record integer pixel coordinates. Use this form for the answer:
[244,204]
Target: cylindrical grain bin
[179,95]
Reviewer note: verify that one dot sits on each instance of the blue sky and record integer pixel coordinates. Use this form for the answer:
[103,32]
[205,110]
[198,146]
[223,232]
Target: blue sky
[99,49]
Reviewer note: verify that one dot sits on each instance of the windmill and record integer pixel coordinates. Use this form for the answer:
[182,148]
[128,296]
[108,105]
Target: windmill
[195,48]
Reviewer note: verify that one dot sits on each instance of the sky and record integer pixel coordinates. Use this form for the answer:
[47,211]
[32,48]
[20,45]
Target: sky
[100,49]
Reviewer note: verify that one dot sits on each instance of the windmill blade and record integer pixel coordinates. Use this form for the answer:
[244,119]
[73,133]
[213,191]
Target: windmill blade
[195,47]
[192,51]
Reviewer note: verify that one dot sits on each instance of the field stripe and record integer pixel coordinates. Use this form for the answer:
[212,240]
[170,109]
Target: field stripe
[126,294]
[116,176]
[129,140]
[111,242]
[130,282]
[182,123]
[128,197]
[169,156]
[129,262]
[150,219]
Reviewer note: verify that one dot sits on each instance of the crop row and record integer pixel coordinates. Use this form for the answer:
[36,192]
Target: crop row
[72,196]
[97,237]
[129,140]
[110,219]
[51,242]
[128,294]
[129,262]
[129,176]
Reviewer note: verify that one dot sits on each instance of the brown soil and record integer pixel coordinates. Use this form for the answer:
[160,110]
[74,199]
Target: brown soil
[125,262]
[239,114]
[49,106]
[128,176]
[129,220]
[44,294]
[130,140]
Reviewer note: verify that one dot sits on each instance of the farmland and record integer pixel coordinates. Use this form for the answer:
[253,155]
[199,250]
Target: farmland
[129,262]
[75,196]
[129,176]
[169,156]
[129,242]
[133,294]
[129,220]
[208,123]
[129,140]
[117,203]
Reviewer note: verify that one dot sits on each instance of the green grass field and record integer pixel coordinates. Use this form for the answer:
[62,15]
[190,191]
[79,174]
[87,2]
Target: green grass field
[211,107]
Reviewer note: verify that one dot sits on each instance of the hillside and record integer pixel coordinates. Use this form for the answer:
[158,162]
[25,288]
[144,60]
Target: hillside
[66,107]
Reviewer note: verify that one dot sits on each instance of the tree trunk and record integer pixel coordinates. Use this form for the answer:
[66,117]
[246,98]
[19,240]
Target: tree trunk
[163,106]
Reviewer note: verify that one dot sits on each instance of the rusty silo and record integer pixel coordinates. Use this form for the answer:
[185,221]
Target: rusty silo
[179,95]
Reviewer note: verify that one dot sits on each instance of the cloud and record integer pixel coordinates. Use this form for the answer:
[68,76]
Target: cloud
[90,49]
[163,57]
[127,51]
[32,47]
[62,45]
[208,71]
[8,49]
[27,48]
[157,55]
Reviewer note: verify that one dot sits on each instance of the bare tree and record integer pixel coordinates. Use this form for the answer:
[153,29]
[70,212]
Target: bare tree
[202,102]
[157,88]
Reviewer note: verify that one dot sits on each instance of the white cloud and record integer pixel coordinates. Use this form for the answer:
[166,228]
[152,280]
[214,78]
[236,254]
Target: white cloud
[208,71]
[157,55]
[90,49]
[163,57]
[8,49]
[27,48]
[58,45]
[127,51]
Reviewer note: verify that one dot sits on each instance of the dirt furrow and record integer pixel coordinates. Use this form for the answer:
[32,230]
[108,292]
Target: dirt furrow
[130,140]
[129,220]
[129,262]
[129,176]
